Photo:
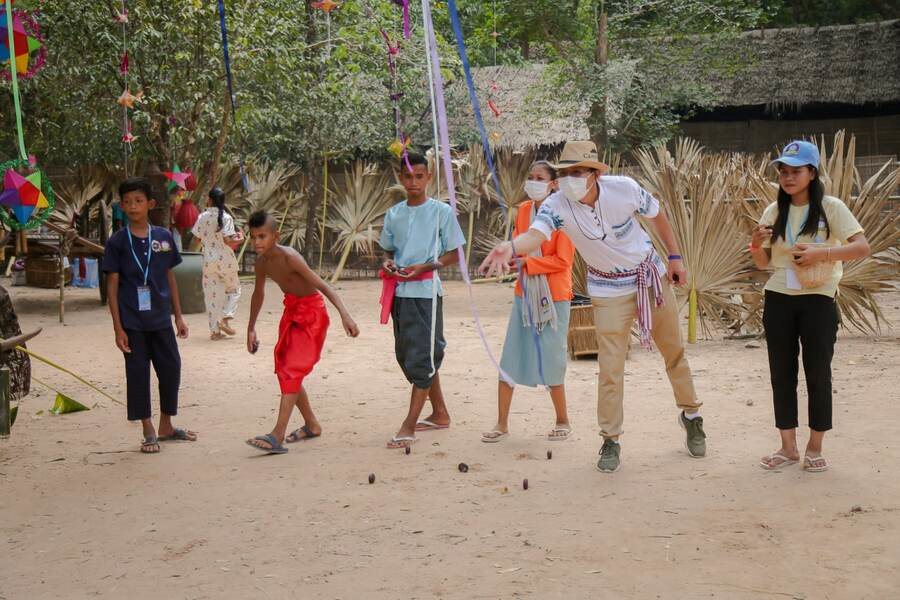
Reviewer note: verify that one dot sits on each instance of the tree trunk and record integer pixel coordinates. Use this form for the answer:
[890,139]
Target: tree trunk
[313,193]
[220,143]
[597,121]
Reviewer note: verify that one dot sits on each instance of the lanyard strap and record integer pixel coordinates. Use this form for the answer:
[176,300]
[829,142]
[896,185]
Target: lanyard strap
[144,270]
[791,236]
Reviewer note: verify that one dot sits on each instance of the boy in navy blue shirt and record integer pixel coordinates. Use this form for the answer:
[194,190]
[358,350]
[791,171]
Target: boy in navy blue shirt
[139,259]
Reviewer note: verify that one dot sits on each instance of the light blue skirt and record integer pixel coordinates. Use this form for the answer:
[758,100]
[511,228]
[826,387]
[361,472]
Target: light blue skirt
[520,353]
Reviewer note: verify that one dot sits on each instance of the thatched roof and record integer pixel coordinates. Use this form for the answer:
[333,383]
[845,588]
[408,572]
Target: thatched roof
[519,124]
[848,64]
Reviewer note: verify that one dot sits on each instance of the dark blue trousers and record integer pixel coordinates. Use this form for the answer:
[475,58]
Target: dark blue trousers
[160,349]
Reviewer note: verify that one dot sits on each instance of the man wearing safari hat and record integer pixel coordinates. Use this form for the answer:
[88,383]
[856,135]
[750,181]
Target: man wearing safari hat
[625,279]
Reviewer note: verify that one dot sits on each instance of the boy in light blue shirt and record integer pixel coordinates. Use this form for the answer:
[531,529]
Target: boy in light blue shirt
[420,236]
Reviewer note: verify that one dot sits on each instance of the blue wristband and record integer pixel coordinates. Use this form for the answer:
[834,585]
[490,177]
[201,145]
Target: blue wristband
[674,257]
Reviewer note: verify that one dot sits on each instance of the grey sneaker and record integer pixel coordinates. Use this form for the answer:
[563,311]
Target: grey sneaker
[695,438]
[609,456]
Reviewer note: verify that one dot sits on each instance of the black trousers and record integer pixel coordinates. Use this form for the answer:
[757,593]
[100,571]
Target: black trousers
[161,349]
[809,320]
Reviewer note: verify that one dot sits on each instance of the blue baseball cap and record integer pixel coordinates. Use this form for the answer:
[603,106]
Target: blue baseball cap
[799,154]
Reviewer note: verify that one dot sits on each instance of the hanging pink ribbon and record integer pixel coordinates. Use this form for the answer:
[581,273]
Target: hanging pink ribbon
[444,134]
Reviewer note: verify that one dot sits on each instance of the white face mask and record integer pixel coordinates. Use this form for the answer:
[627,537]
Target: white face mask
[573,188]
[537,190]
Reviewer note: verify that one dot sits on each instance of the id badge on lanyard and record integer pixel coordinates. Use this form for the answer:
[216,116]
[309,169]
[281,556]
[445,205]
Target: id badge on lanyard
[143,291]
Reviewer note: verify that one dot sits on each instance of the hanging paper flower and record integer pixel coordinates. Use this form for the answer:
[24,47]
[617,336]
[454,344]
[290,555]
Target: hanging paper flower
[122,17]
[123,65]
[127,99]
[398,147]
[30,53]
[326,5]
[28,199]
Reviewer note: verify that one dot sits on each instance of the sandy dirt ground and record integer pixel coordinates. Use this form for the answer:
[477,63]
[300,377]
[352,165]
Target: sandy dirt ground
[83,515]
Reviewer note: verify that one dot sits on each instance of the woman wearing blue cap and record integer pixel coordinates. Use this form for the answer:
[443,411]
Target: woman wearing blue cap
[804,236]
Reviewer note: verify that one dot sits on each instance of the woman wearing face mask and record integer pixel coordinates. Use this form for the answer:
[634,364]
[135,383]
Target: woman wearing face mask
[626,279]
[221,286]
[539,322]
[802,229]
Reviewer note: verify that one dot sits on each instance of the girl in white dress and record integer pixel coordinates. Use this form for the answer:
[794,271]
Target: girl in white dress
[221,286]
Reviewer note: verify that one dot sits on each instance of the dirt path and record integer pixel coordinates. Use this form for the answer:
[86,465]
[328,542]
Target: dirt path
[80,518]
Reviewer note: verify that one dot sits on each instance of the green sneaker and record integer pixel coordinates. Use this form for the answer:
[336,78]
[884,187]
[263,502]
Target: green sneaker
[695,438]
[609,456]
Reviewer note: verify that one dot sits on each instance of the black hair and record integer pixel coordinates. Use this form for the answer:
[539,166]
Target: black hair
[551,170]
[414,159]
[261,219]
[136,184]
[816,211]
[218,197]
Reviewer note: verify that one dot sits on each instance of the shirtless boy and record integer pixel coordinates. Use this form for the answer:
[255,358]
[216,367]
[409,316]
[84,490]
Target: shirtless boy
[301,333]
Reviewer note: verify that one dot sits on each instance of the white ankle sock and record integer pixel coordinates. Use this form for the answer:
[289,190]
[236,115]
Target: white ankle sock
[691,416]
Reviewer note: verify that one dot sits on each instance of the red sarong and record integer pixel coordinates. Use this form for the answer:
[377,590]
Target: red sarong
[389,284]
[301,335]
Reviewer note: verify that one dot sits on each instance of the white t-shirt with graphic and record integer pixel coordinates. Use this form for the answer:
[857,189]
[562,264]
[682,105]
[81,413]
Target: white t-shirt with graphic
[607,235]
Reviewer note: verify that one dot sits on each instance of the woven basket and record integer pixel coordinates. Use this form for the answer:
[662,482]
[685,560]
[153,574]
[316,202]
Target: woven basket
[43,271]
[582,333]
[815,275]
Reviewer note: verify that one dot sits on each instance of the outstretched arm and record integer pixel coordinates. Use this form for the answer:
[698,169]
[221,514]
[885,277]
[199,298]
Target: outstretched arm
[497,262]
[256,302]
[299,266]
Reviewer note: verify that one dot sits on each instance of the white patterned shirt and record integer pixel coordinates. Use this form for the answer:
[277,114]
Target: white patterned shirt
[607,235]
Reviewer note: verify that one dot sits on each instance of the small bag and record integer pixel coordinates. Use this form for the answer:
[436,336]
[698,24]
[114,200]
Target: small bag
[815,275]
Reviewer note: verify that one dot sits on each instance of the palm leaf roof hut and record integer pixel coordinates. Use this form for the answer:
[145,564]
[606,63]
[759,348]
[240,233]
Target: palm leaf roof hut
[802,82]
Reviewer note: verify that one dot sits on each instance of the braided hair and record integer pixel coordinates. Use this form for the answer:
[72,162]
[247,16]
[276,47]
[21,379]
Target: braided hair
[218,198]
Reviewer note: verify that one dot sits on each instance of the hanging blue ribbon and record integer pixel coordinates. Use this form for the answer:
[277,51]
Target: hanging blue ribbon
[473,97]
[485,144]
[224,29]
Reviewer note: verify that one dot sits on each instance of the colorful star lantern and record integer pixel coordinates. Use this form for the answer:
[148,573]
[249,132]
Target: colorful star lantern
[326,5]
[27,41]
[22,194]
[180,179]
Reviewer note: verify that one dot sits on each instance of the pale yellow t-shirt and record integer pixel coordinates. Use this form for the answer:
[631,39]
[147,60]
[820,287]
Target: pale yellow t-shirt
[842,224]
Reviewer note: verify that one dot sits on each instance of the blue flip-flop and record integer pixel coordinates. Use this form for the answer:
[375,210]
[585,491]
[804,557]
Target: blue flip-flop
[276,448]
[180,435]
[294,436]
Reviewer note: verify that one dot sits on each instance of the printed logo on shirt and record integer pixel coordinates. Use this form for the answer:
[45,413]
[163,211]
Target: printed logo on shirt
[161,246]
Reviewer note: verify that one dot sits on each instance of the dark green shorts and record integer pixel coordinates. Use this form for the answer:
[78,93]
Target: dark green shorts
[412,338]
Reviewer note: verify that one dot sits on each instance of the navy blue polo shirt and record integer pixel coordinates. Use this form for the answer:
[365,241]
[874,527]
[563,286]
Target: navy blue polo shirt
[118,258]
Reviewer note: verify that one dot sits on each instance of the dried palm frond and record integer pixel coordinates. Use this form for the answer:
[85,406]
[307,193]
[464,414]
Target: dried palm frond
[579,276]
[80,191]
[694,190]
[512,171]
[472,183]
[494,231]
[358,212]
[868,201]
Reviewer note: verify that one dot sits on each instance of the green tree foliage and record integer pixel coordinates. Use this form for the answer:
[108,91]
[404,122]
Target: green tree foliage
[300,90]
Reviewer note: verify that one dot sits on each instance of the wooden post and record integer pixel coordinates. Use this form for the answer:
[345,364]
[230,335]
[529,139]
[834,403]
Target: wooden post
[692,316]
[62,281]
[4,403]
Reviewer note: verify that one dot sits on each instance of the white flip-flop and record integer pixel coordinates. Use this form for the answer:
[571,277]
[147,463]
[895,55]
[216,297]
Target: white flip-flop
[566,429]
[492,437]
[785,462]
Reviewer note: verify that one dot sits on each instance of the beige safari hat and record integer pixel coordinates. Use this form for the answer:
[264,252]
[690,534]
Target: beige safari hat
[580,154]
